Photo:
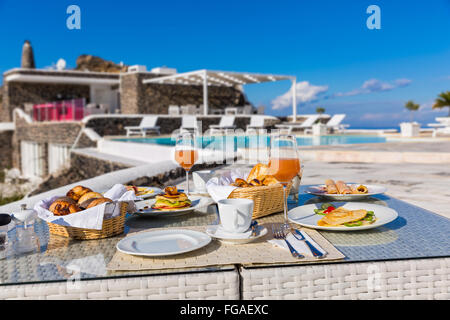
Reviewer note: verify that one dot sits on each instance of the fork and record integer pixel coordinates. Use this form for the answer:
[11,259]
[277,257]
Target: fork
[279,234]
[316,253]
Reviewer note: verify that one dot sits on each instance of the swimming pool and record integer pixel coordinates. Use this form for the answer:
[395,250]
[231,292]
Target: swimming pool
[251,141]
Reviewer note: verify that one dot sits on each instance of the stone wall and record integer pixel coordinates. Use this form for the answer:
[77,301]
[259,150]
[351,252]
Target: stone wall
[6,149]
[19,93]
[139,98]
[64,133]
[81,167]
[114,126]
[16,93]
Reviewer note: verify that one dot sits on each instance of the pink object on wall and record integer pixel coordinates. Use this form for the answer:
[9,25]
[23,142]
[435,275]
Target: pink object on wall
[68,110]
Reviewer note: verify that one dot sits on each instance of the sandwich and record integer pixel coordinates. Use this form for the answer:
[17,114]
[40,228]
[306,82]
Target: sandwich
[337,217]
[171,199]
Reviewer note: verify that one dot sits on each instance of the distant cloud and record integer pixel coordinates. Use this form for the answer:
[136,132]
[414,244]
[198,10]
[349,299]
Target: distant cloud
[305,92]
[374,85]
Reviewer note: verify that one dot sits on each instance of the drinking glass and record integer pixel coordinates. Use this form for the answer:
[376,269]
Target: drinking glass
[284,163]
[186,153]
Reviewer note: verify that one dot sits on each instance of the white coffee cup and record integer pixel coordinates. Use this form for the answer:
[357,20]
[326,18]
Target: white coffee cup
[235,214]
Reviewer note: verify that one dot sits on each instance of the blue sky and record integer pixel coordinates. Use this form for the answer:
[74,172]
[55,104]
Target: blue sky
[340,64]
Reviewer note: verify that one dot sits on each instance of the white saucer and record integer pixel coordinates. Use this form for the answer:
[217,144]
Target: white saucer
[217,232]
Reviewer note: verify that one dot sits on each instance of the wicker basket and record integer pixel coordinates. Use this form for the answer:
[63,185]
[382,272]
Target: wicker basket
[266,199]
[111,227]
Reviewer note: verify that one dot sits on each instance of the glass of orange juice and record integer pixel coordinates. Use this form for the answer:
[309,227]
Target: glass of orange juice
[186,153]
[284,163]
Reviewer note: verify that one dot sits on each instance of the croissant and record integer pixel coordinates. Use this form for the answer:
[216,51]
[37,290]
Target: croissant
[241,183]
[257,172]
[255,183]
[63,207]
[269,180]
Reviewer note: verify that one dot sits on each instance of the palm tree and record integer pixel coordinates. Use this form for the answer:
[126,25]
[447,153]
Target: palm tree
[320,110]
[443,101]
[411,106]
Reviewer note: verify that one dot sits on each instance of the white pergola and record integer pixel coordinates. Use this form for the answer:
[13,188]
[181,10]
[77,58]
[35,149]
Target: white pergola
[223,79]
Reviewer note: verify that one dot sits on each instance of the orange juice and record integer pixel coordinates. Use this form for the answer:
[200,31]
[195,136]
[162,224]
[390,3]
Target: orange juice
[284,169]
[186,158]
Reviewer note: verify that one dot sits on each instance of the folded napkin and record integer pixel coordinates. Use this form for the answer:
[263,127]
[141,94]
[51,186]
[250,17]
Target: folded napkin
[90,218]
[219,187]
[298,245]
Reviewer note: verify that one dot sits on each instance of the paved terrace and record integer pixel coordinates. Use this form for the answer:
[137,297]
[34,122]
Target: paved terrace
[423,151]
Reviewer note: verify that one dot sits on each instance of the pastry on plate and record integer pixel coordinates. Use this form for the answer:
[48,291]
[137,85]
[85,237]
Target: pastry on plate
[172,199]
[343,188]
[361,189]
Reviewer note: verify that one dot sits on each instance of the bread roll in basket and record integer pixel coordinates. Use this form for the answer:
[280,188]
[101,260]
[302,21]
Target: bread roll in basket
[83,214]
[265,191]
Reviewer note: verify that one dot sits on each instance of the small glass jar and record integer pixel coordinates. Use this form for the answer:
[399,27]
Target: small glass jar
[5,220]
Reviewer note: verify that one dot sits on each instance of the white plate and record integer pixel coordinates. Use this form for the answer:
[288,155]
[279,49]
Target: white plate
[305,216]
[163,242]
[372,190]
[150,195]
[144,207]
[217,232]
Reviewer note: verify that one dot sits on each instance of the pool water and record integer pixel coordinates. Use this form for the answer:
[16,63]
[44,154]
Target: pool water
[253,141]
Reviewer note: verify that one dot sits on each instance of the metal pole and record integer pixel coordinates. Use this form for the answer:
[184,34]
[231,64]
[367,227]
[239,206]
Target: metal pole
[294,100]
[205,93]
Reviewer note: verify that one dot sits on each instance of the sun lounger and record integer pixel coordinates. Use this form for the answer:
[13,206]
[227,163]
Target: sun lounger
[442,126]
[334,124]
[307,124]
[256,123]
[226,123]
[174,110]
[148,123]
[189,123]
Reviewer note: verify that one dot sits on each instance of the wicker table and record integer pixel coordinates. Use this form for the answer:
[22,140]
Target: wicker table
[408,258]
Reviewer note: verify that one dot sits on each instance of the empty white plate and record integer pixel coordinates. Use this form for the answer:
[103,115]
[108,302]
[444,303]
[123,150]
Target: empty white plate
[163,242]
[305,216]
[372,190]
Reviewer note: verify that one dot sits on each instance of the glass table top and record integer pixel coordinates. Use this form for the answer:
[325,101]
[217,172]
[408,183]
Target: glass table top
[42,257]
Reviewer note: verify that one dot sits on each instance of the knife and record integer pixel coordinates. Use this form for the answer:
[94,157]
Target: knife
[316,253]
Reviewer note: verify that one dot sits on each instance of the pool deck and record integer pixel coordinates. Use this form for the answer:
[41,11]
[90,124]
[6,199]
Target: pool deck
[425,151]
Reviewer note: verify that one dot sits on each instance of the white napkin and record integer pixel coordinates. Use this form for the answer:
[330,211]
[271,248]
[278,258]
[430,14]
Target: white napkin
[120,193]
[298,245]
[91,218]
[219,187]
